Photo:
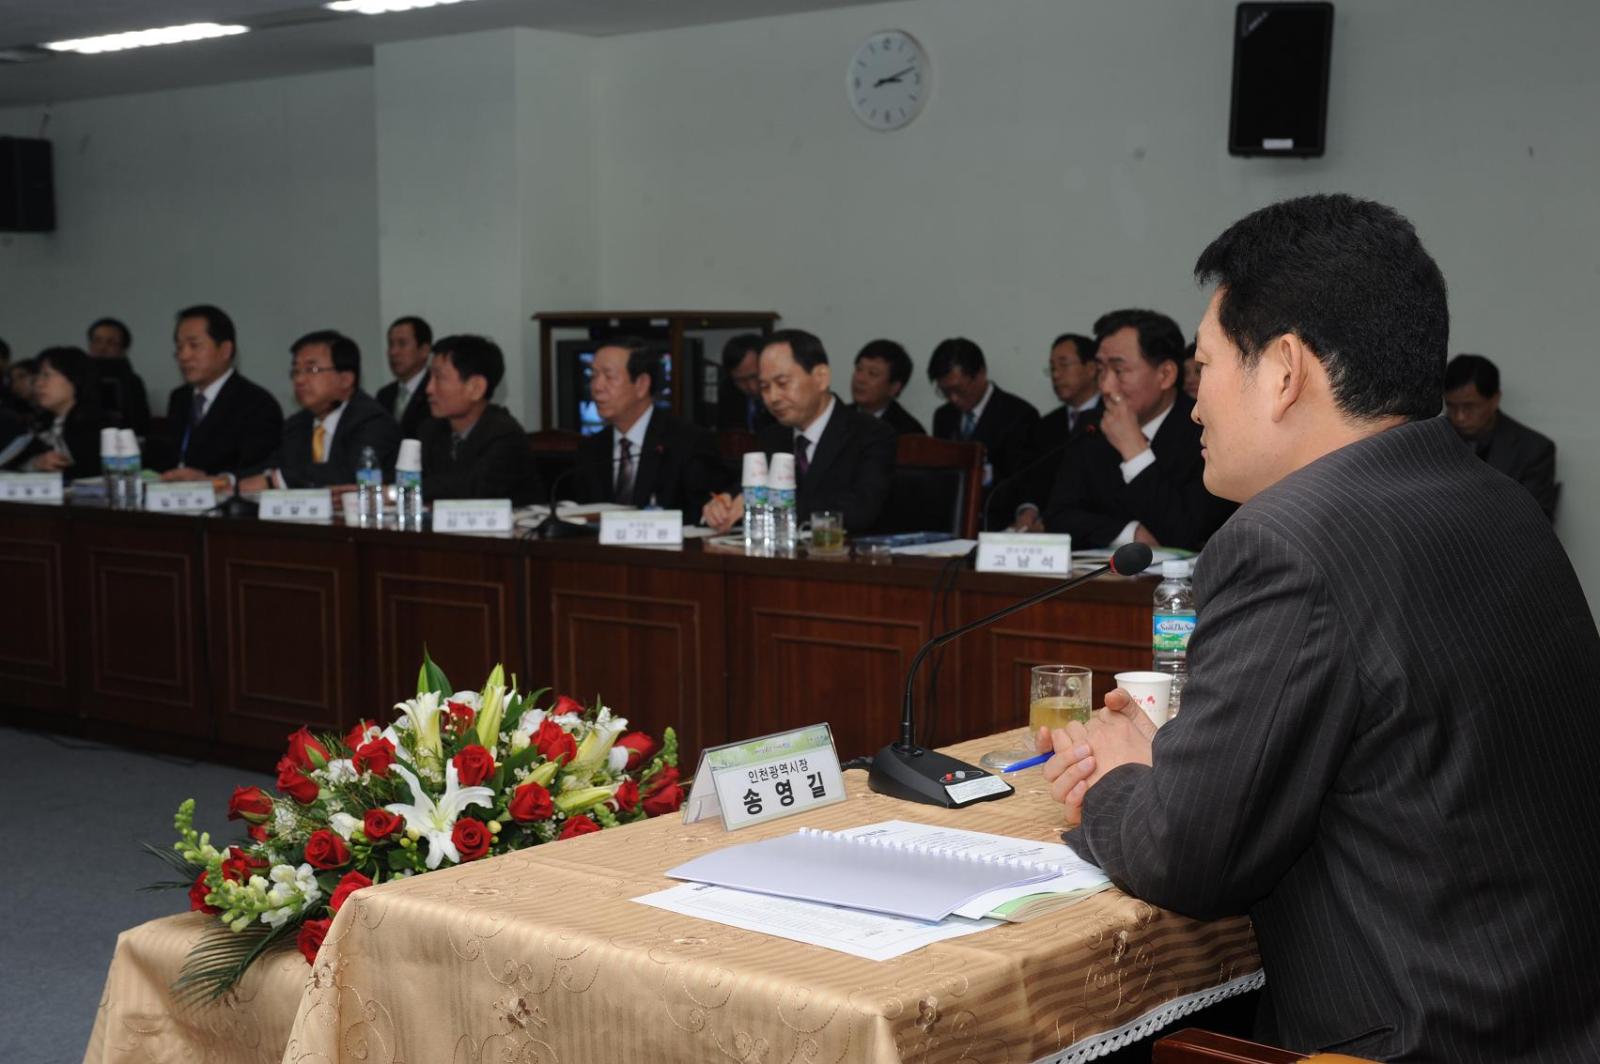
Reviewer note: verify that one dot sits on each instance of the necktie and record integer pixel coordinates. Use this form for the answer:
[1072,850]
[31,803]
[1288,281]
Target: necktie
[455,446]
[1072,420]
[625,473]
[196,411]
[802,460]
[969,425]
[401,399]
[319,438]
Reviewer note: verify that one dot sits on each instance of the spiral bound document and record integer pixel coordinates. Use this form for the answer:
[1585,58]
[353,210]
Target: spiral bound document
[862,872]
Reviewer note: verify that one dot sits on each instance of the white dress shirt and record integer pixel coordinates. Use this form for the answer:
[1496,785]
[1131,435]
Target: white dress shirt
[635,438]
[1138,464]
[813,432]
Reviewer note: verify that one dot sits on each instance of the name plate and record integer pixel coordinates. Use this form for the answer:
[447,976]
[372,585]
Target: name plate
[181,496]
[297,504]
[766,778]
[1028,553]
[472,515]
[31,487]
[642,528]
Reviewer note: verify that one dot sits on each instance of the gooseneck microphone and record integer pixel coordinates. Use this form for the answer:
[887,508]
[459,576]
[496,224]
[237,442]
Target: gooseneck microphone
[907,771]
[552,527]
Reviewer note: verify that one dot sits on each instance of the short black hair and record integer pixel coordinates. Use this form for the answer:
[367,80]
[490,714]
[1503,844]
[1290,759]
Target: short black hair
[1352,280]
[1475,370]
[1086,347]
[644,358]
[474,356]
[956,353]
[218,325]
[346,355]
[737,347]
[1160,339]
[888,351]
[127,337]
[421,331]
[807,349]
[74,364]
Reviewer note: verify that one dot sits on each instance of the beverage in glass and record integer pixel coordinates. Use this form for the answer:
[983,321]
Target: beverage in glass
[1056,694]
[827,532]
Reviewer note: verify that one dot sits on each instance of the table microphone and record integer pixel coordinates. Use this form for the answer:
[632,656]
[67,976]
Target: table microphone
[907,771]
[552,527]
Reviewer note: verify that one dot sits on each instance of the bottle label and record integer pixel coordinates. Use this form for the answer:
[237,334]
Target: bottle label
[782,498]
[408,478]
[373,477]
[755,495]
[1170,632]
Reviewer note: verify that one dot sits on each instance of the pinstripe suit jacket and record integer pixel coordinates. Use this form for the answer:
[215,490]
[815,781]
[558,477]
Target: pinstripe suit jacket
[1386,757]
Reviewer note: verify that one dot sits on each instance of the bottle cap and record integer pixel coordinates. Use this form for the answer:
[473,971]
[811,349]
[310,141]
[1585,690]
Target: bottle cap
[410,458]
[781,474]
[127,443]
[108,443]
[1176,569]
[755,469]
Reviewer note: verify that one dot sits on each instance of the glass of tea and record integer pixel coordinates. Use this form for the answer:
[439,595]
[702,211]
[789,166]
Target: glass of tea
[1056,694]
[827,532]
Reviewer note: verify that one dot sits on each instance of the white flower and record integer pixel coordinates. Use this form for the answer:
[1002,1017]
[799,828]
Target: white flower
[283,819]
[617,758]
[468,698]
[421,715]
[344,824]
[434,821]
[341,771]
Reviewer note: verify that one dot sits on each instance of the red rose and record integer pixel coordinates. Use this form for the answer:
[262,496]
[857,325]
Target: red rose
[296,784]
[577,825]
[258,832]
[249,803]
[471,838]
[356,737]
[197,897]
[626,797]
[662,793]
[553,742]
[380,824]
[640,748]
[325,849]
[302,744]
[460,717]
[352,882]
[566,705]
[238,866]
[531,802]
[374,757]
[473,765]
[312,932]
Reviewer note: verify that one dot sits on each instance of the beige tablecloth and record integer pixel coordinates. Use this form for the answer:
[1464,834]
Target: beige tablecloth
[541,956]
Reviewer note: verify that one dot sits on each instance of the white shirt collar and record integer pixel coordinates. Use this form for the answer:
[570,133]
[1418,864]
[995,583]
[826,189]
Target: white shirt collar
[210,391]
[977,411]
[409,385]
[1154,426]
[1093,401]
[634,435]
[814,431]
[330,425]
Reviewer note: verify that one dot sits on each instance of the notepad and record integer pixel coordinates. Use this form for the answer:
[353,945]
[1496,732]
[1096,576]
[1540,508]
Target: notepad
[870,873]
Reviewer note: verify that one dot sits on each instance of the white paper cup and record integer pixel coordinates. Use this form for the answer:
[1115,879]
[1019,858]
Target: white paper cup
[127,443]
[781,474]
[410,457]
[1152,690]
[755,469]
[108,443]
[351,501]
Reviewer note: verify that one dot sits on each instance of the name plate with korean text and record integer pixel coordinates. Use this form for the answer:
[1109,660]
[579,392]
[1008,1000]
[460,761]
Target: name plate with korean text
[472,515]
[1030,554]
[297,504]
[180,496]
[642,528]
[31,487]
[766,778]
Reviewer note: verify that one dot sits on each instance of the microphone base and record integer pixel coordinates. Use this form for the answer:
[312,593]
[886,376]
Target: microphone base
[931,778]
[554,528]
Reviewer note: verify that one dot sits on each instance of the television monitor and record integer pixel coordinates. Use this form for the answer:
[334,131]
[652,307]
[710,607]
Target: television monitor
[1281,55]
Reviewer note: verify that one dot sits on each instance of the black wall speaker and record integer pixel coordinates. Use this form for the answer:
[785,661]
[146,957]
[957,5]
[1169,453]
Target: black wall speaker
[1280,79]
[27,186]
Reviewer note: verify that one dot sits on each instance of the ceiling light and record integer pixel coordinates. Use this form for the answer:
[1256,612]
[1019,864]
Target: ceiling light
[116,42]
[384,7]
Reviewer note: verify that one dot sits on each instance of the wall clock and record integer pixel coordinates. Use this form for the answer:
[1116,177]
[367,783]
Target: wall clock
[888,80]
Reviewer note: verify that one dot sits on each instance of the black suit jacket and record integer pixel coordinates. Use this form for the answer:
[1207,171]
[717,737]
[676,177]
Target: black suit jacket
[81,433]
[493,462]
[362,424]
[849,472]
[899,419]
[122,395]
[1004,430]
[1526,456]
[1092,504]
[416,411]
[678,467]
[1048,446]
[239,431]
[743,414]
[1390,768]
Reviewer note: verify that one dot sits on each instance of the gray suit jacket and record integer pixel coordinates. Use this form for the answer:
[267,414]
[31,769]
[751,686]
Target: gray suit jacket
[1386,756]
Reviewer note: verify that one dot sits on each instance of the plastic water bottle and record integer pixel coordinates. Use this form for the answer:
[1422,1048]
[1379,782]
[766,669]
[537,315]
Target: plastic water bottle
[369,489]
[757,513]
[780,498]
[408,485]
[1172,622]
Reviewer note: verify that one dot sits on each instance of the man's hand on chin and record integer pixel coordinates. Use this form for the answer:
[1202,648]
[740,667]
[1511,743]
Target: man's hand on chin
[1118,734]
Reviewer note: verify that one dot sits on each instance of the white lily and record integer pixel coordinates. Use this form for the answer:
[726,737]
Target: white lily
[491,708]
[432,820]
[344,824]
[596,746]
[522,734]
[422,716]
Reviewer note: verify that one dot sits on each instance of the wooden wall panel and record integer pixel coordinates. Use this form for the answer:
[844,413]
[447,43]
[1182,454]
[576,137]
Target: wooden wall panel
[33,641]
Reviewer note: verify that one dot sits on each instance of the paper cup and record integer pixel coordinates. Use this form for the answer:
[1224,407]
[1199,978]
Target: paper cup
[108,443]
[351,501]
[781,474]
[127,443]
[755,470]
[410,457]
[1152,690]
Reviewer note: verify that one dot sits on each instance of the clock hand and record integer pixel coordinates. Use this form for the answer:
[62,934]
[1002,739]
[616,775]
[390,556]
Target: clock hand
[893,78]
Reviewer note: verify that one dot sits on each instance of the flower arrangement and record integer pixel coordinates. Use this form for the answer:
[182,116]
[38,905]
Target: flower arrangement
[454,778]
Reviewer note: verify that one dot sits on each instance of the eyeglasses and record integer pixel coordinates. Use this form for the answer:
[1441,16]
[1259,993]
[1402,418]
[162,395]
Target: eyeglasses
[309,371]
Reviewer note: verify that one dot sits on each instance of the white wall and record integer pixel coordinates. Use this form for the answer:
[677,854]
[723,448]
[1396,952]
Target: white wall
[256,196]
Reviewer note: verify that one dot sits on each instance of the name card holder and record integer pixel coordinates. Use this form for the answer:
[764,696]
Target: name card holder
[766,778]
[1027,553]
[472,516]
[297,504]
[180,497]
[641,528]
[43,488]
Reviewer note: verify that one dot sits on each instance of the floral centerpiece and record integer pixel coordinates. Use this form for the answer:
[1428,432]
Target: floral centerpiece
[454,778]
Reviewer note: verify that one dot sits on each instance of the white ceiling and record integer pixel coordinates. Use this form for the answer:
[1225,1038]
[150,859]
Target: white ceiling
[296,36]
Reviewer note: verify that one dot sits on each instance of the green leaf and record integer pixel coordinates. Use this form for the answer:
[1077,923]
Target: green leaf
[221,958]
[432,678]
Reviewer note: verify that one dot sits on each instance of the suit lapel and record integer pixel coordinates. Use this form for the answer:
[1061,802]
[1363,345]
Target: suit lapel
[830,446]
[608,464]
[647,472]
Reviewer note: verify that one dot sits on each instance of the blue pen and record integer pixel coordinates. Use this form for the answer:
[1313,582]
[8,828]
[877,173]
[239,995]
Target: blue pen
[1037,759]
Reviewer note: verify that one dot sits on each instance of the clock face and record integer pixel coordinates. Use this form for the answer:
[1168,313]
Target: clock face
[888,80]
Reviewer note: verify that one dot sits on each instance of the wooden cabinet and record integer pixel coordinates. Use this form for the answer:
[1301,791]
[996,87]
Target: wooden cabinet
[33,622]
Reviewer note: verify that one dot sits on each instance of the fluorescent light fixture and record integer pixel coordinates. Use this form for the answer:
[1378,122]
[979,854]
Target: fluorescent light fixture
[117,42]
[384,7]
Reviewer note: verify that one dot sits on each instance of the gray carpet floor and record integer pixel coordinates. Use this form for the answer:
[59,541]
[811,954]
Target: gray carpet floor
[72,816]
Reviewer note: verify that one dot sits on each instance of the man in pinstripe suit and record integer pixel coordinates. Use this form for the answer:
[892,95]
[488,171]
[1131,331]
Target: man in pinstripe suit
[1389,740]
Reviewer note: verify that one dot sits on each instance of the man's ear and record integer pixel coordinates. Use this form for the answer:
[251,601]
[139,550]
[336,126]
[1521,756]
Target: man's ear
[476,387]
[1168,373]
[823,374]
[1287,367]
[895,388]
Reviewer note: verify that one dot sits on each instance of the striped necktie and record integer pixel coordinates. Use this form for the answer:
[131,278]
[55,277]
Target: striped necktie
[319,437]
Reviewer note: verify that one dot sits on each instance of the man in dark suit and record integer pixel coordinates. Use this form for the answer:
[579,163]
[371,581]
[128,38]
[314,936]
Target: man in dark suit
[844,459]
[472,448]
[883,369]
[218,423]
[1139,477]
[645,456]
[1075,377]
[740,406]
[1408,820]
[323,441]
[122,395]
[975,408]
[410,346]
[1472,402]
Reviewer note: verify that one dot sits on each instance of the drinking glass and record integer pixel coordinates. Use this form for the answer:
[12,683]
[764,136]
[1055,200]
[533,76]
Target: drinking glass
[827,532]
[1056,694]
